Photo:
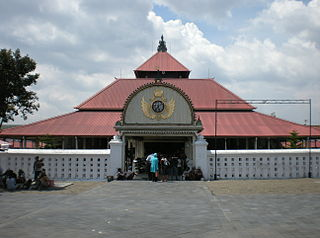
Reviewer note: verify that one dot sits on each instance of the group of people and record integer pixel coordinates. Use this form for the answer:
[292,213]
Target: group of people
[162,167]
[11,181]
[120,175]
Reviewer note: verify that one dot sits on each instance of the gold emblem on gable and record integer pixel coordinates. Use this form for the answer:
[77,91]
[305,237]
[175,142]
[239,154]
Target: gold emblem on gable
[158,108]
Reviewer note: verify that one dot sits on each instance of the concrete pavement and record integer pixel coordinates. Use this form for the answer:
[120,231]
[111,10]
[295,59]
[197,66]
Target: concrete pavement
[146,209]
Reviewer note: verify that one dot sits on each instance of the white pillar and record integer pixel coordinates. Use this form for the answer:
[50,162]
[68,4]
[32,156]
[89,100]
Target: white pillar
[116,155]
[256,143]
[201,155]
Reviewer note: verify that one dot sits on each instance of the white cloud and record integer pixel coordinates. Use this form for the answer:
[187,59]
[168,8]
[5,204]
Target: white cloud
[286,18]
[80,46]
[33,33]
[206,10]
[250,67]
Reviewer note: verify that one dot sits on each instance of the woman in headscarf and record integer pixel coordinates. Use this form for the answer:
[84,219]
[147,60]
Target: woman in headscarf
[154,169]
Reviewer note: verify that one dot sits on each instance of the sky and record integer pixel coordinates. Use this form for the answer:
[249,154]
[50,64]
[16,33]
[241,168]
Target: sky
[258,49]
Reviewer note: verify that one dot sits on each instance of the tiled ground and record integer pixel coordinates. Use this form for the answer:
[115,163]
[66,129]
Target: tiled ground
[146,209]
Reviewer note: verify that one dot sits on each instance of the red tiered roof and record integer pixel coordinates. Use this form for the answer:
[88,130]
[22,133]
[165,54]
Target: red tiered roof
[202,92]
[97,115]
[250,124]
[162,61]
[101,123]
[86,123]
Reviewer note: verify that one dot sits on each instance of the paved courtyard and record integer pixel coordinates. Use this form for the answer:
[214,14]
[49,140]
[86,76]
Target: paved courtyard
[146,209]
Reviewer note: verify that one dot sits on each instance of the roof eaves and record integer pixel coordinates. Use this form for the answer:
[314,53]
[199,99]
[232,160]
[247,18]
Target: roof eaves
[35,123]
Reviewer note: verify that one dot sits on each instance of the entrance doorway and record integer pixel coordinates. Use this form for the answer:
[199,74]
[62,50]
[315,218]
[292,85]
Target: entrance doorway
[167,148]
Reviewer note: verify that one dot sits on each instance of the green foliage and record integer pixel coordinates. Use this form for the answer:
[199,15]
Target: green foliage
[15,77]
[295,140]
[50,142]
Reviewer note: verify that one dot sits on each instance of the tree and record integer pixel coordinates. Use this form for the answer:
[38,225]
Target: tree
[294,140]
[15,78]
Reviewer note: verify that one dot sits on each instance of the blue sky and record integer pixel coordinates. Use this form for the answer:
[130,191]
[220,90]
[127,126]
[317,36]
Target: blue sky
[258,49]
[221,32]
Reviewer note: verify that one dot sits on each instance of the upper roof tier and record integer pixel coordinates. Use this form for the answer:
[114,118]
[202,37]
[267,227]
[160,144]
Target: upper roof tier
[163,65]
[202,92]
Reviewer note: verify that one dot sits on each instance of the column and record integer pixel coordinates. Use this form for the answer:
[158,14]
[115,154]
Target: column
[201,155]
[63,145]
[189,152]
[76,142]
[84,142]
[24,142]
[116,155]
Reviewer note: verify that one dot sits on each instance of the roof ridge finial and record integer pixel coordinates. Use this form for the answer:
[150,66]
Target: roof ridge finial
[162,45]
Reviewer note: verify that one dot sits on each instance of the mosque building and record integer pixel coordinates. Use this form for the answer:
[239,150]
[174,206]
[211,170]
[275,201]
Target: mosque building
[163,110]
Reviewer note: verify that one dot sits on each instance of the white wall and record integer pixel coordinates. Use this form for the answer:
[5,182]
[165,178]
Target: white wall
[263,164]
[60,164]
[231,164]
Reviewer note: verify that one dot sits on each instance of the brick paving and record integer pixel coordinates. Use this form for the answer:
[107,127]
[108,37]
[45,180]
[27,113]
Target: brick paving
[146,209]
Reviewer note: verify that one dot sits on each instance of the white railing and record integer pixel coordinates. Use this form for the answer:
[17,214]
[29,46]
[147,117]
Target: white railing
[264,164]
[60,164]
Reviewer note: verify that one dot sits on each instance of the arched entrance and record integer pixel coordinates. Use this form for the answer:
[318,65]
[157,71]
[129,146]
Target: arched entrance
[158,118]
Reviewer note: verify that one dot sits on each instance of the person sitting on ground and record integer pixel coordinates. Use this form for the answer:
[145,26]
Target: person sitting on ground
[120,175]
[43,180]
[8,174]
[11,182]
[194,174]
[21,177]
[27,184]
[198,174]
[130,175]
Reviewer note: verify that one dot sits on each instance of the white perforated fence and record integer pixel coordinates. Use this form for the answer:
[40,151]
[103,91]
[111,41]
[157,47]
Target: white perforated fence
[60,164]
[264,164]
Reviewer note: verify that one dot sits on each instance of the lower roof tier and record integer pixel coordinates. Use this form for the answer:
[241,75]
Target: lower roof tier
[101,123]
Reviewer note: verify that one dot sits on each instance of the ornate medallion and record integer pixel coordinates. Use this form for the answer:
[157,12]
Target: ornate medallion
[158,108]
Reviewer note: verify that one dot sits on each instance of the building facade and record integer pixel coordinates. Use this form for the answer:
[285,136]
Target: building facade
[162,110]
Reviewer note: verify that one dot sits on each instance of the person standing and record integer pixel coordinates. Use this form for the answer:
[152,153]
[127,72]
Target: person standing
[37,166]
[148,164]
[154,168]
[164,169]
